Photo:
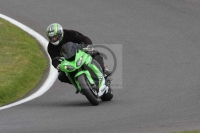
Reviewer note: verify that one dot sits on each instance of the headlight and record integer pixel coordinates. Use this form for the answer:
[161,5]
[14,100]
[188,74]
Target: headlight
[78,63]
[70,68]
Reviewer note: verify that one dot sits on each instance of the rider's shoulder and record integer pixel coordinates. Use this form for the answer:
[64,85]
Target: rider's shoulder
[69,31]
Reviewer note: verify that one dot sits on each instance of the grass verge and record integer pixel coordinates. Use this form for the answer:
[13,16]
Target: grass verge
[22,63]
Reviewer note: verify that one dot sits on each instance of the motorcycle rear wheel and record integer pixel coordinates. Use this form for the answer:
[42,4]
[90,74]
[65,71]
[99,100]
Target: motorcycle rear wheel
[107,96]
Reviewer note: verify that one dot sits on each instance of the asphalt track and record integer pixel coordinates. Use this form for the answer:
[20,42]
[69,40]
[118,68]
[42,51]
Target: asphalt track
[161,73]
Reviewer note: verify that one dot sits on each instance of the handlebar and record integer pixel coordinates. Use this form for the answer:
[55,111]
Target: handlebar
[88,49]
[59,58]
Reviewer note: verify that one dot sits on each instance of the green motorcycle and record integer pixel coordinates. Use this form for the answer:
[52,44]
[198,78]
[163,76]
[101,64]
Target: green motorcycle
[85,73]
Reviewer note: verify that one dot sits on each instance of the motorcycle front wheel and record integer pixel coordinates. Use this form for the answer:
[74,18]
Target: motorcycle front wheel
[85,89]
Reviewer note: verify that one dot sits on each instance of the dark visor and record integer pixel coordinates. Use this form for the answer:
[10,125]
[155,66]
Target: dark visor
[54,38]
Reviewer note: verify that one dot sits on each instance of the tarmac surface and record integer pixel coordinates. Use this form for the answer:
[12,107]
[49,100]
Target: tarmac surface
[159,63]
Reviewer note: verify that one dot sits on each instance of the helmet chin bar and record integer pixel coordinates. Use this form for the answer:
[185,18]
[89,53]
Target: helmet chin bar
[55,43]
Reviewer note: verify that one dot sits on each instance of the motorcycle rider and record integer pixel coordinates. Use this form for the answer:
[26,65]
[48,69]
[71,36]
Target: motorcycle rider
[58,36]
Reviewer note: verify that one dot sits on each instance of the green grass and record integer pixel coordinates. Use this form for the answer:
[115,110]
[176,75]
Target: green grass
[22,63]
[188,132]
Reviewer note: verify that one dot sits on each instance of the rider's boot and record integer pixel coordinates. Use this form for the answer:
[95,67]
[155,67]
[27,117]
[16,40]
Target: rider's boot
[106,72]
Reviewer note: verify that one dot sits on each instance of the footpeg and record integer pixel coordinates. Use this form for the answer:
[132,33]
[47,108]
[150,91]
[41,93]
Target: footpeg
[108,81]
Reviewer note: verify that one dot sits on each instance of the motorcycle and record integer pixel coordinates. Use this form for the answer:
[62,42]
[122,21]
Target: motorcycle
[85,73]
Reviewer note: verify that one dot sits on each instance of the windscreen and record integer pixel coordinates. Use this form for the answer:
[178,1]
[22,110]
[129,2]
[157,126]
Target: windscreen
[68,50]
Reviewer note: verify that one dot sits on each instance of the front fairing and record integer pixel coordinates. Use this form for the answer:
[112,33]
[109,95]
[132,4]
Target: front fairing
[80,59]
[86,60]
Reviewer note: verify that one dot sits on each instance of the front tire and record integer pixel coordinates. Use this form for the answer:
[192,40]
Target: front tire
[85,89]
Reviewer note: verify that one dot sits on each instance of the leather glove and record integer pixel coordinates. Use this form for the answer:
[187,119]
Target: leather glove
[89,49]
[58,67]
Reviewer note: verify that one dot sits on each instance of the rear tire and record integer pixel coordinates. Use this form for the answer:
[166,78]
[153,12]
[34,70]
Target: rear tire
[107,96]
[85,89]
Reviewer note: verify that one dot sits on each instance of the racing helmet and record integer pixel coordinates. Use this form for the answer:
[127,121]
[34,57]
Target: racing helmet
[55,33]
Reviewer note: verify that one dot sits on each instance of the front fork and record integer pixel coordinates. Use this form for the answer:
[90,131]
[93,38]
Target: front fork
[97,72]
[88,76]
